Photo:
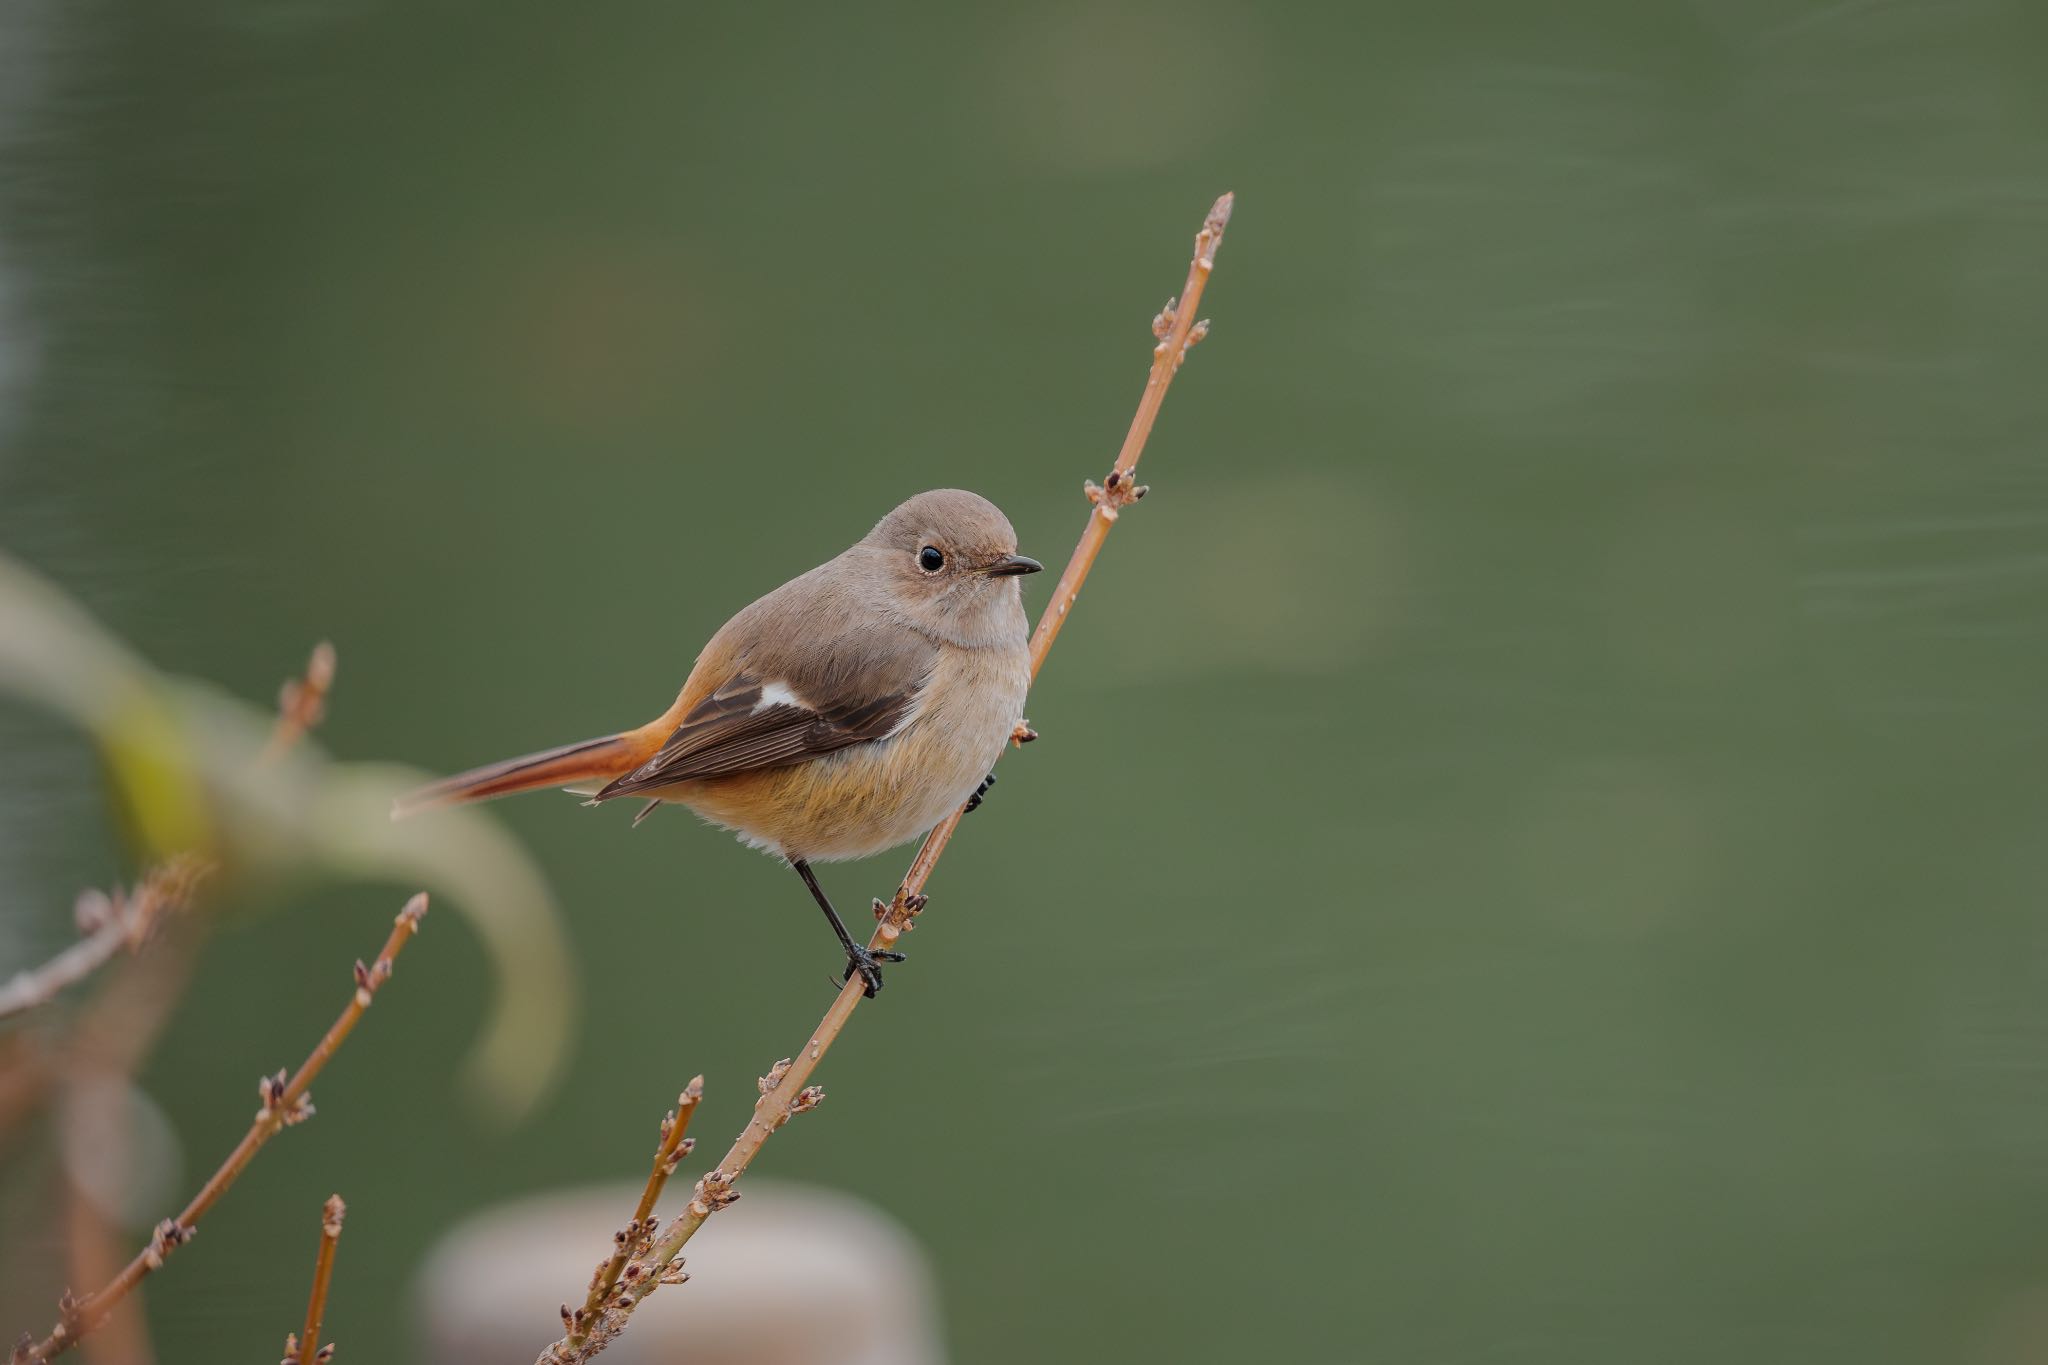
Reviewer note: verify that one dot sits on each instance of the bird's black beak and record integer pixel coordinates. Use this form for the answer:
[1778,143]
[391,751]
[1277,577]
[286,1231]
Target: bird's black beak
[1011,565]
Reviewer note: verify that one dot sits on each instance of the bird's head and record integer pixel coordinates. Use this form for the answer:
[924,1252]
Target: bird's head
[948,563]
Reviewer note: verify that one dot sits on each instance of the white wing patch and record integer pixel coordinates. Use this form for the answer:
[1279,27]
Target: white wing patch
[778,694]
[912,711]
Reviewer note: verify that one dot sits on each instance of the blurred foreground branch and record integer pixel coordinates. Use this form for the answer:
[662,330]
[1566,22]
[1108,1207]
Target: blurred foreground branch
[125,921]
[120,921]
[285,1102]
[301,703]
[653,1261]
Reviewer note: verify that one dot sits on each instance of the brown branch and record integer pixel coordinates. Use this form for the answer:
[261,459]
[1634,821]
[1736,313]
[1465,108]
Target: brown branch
[786,1090]
[633,1240]
[297,1344]
[285,1102]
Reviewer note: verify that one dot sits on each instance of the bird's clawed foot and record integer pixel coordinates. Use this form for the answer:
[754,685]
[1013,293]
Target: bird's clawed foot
[868,963]
[974,801]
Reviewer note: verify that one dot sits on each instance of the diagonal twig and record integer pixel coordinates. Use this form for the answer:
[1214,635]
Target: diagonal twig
[786,1089]
[285,1102]
[632,1241]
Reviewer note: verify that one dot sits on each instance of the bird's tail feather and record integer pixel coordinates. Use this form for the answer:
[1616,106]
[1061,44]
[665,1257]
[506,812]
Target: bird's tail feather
[593,761]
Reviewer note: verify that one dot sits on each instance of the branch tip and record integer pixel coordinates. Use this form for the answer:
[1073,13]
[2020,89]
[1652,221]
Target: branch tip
[1211,235]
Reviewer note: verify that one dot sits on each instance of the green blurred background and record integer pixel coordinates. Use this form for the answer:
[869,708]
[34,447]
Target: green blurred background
[1537,849]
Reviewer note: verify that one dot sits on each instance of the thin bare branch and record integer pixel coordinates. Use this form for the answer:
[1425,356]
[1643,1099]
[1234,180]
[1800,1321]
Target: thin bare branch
[633,1240]
[113,923]
[786,1090]
[284,1103]
[301,1344]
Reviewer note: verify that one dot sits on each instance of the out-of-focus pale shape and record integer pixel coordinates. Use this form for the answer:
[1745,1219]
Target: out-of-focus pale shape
[183,772]
[118,1148]
[790,1275]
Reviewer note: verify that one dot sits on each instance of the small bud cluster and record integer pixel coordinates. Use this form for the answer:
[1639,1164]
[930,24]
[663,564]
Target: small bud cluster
[677,1157]
[94,910]
[1116,491]
[331,1215]
[168,1237]
[302,701]
[271,1089]
[902,912]
[70,1316]
[169,886]
[291,1352]
[1163,320]
[366,983]
[714,1191]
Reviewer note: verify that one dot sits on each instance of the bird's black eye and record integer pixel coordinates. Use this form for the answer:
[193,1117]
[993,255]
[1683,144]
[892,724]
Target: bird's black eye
[930,560]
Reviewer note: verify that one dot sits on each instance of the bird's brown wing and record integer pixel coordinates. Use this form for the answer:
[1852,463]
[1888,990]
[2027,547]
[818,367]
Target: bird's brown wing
[798,679]
[733,731]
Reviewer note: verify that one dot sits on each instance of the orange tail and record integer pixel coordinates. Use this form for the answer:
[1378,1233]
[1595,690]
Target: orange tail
[593,761]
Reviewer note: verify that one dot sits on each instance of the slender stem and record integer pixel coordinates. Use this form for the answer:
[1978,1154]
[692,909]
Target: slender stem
[1177,330]
[285,1102]
[673,1147]
[786,1090]
[305,1348]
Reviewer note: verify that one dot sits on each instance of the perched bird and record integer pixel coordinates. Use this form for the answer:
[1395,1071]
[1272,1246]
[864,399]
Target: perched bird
[846,712]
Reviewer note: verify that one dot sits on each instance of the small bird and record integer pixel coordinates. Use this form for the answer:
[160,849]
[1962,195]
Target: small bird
[846,712]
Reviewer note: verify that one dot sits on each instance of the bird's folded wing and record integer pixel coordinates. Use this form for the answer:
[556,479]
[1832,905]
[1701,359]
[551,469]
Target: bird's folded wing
[749,723]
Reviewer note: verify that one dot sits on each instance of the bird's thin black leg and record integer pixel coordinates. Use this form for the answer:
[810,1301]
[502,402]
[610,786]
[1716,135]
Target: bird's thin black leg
[858,958]
[974,801]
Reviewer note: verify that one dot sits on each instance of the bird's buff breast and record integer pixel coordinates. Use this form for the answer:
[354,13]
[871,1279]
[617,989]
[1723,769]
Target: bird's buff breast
[869,797]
